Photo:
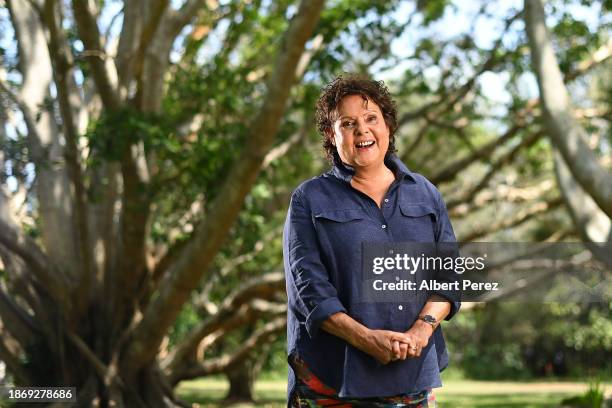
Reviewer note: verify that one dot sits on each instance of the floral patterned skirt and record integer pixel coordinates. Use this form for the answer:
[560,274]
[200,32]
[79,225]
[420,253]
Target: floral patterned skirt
[310,392]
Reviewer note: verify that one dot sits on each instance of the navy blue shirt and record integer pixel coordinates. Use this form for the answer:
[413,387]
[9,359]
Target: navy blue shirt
[326,224]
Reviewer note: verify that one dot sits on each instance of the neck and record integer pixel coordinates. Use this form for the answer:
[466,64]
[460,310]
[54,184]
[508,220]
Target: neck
[372,174]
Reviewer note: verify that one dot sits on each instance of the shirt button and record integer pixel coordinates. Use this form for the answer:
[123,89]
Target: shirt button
[400,307]
[384,226]
[386,200]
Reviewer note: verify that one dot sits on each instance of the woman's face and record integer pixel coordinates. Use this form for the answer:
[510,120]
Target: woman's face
[361,135]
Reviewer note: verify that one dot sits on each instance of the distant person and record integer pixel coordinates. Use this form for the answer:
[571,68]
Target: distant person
[344,352]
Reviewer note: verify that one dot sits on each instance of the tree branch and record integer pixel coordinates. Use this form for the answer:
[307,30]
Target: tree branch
[282,149]
[602,54]
[15,241]
[536,272]
[152,58]
[235,262]
[263,287]
[176,364]
[20,283]
[502,193]
[134,226]
[450,99]
[19,323]
[28,117]
[563,129]
[133,20]
[107,374]
[11,358]
[151,26]
[226,362]
[494,168]
[592,223]
[519,218]
[95,54]
[449,172]
[187,12]
[69,100]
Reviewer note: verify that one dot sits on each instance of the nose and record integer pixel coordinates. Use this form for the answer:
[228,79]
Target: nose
[361,127]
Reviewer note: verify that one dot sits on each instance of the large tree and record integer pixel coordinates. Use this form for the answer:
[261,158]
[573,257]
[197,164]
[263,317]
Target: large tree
[90,300]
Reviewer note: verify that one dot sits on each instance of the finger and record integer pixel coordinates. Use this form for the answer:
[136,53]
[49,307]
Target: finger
[402,338]
[412,350]
[396,349]
[403,351]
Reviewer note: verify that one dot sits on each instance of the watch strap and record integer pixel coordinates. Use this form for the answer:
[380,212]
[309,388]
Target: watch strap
[429,319]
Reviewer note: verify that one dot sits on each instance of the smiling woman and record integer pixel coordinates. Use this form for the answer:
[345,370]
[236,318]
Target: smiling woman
[375,354]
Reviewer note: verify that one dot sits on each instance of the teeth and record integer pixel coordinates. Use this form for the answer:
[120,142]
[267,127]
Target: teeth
[365,144]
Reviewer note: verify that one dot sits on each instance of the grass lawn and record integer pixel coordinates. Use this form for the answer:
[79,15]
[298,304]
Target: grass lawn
[455,394]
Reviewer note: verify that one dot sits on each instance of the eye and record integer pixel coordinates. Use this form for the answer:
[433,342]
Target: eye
[348,124]
[372,119]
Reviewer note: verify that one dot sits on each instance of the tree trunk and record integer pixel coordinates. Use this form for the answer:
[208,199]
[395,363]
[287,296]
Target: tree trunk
[593,225]
[241,381]
[566,134]
[242,376]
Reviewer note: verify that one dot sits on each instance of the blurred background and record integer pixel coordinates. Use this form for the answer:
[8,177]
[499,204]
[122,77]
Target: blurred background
[150,147]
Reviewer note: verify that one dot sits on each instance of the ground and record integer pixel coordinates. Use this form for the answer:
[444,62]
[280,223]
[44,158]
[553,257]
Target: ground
[455,394]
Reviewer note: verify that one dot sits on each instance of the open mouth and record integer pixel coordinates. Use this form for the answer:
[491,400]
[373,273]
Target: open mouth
[365,144]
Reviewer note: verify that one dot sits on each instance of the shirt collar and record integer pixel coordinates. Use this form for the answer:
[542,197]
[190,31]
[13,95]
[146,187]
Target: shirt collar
[345,172]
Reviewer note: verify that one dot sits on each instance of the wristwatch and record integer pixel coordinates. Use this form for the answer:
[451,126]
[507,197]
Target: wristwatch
[430,320]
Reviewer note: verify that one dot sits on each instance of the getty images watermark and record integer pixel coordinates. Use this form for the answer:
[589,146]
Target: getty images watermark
[530,272]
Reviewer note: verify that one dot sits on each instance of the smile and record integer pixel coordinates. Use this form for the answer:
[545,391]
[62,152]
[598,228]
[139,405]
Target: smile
[366,143]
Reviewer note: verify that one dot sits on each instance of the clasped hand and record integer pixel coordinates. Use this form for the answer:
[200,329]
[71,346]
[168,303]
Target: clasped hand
[386,345]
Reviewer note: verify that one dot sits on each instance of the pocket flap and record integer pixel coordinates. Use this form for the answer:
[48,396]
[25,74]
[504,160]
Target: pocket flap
[417,210]
[341,215]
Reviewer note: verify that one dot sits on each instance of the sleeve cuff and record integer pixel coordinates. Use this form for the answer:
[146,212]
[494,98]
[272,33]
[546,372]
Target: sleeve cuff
[452,299]
[320,313]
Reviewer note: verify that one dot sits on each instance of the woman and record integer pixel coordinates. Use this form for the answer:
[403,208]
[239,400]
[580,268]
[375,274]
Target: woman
[344,351]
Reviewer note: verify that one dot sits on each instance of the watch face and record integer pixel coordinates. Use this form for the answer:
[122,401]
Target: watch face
[429,319]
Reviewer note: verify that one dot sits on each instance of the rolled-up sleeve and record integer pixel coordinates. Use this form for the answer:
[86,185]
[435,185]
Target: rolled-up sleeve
[310,294]
[445,237]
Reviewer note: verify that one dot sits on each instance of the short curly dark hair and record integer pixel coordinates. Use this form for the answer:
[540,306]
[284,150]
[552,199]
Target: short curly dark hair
[353,84]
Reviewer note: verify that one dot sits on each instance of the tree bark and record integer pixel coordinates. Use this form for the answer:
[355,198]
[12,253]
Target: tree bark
[55,198]
[593,225]
[241,383]
[103,70]
[69,101]
[565,132]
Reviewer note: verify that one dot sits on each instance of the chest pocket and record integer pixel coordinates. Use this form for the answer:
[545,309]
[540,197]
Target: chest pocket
[342,227]
[418,222]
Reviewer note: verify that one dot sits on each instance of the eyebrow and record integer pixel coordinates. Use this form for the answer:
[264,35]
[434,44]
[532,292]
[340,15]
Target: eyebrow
[351,117]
